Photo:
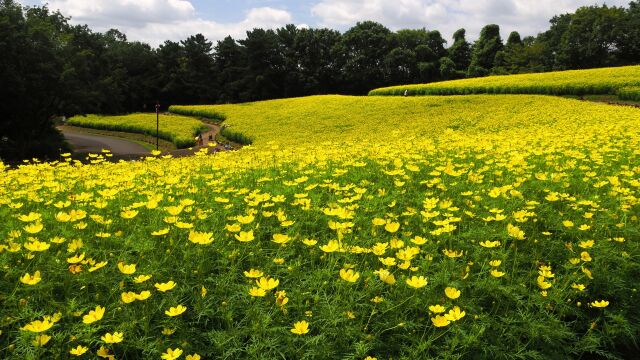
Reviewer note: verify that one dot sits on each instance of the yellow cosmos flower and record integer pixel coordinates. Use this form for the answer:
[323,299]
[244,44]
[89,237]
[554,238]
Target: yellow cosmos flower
[98,266]
[128,297]
[144,295]
[386,276]
[600,304]
[163,287]
[300,328]
[496,273]
[32,216]
[257,292]
[34,228]
[200,237]
[233,228]
[584,256]
[586,244]
[579,287]
[437,309]
[174,210]
[128,214]
[388,261]
[193,357]
[184,225]
[253,274]
[452,293]
[75,259]
[160,232]
[171,354]
[114,338]
[418,240]
[349,275]
[515,232]
[93,315]
[452,253]
[245,219]
[330,247]
[167,331]
[392,227]
[31,280]
[126,269]
[176,310]
[104,353]
[567,223]
[41,340]
[440,321]
[490,244]
[495,263]
[58,240]
[309,242]
[267,283]
[542,283]
[37,326]
[245,236]
[37,246]
[454,314]
[141,278]
[281,239]
[417,282]
[78,350]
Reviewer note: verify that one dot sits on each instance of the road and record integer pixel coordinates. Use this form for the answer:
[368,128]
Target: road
[85,143]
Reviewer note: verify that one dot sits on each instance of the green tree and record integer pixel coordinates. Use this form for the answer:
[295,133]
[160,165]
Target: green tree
[230,62]
[486,48]
[265,66]
[460,51]
[592,38]
[363,49]
[31,67]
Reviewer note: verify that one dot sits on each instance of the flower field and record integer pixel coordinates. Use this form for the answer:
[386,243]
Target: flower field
[452,227]
[572,82]
[180,130]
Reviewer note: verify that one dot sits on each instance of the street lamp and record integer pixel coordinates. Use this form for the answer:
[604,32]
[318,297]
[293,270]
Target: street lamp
[157,123]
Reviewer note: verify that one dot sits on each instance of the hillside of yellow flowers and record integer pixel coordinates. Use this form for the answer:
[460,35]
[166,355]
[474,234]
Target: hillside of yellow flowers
[569,82]
[364,228]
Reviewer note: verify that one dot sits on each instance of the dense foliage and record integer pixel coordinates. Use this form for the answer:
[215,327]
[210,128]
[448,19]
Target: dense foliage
[180,130]
[49,67]
[621,81]
[482,226]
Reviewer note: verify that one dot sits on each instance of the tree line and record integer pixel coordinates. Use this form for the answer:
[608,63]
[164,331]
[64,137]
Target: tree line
[49,67]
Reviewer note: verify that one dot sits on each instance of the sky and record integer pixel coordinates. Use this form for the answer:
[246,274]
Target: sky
[154,21]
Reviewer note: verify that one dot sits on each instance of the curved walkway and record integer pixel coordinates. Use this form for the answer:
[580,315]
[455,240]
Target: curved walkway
[86,143]
[94,143]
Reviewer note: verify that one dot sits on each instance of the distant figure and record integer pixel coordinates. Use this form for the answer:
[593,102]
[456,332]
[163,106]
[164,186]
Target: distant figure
[406,92]
[210,137]
[200,140]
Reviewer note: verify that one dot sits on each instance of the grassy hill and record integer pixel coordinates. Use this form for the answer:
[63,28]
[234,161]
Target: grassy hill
[572,82]
[319,119]
[452,227]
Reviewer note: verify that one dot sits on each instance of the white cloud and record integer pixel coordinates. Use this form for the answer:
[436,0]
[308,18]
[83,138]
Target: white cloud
[525,16]
[156,32]
[154,21]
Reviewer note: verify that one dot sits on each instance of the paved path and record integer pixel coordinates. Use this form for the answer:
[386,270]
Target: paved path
[85,143]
